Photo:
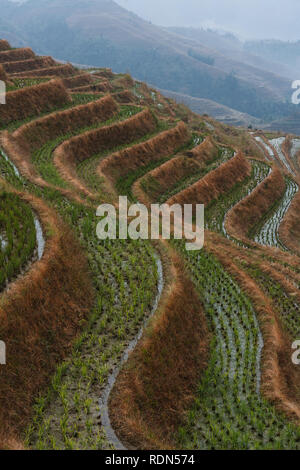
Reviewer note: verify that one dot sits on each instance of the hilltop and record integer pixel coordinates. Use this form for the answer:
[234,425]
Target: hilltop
[101,33]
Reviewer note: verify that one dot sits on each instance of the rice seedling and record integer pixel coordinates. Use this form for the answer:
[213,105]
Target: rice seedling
[230,386]
[17,237]
[217,210]
[43,157]
[267,231]
[228,410]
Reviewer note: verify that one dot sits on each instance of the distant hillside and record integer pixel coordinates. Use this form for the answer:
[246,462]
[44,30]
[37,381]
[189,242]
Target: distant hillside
[101,33]
[222,113]
[229,45]
[285,52]
[289,125]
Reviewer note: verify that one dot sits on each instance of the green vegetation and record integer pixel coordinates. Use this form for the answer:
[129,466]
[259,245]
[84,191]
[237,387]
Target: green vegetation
[124,185]
[217,210]
[77,99]
[18,83]
[267,231]
[86,170]
[224,154]
[228,412]
[160,58]
[43,157]
[17,236]
[287,306]
[125,280]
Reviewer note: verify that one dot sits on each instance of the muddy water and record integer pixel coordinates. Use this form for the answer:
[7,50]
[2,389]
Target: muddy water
[268,234]
[267,147]
[277,143]
[104,400]
[295,148]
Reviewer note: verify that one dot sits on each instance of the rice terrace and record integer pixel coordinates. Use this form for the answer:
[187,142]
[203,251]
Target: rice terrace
[142,344]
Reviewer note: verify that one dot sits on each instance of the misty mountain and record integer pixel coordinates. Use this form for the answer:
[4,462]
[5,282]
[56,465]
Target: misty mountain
[101,33]
[218,111]
[245,52]
[285,52]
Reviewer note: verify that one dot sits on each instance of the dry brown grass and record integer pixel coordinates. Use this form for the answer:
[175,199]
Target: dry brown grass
[83,146]
[3,75]
[123,82]
[287,144]
[164,144]
[39,321]
[205,152]
[27,65]
[21,157]
[289,230]
[158,383]
[16,54]
[235,138]
[20,145]
[286,149]
[280,377]
[248,212]
[36,133]
[4,45]
[46,72]
[167,175]
[34,100]
[125,97]
[215,183]
[78,80]
[102,87]
[104,73]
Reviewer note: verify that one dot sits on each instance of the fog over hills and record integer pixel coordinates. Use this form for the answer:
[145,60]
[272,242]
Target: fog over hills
[191,62]
[250,19]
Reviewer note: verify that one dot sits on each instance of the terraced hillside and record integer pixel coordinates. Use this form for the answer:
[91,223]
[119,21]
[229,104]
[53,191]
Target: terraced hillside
[137,343]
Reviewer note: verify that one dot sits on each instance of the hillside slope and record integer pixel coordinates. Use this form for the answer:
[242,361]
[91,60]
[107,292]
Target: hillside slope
[217,111]
[210,330]
[101,33]
[231,46]
[284,52]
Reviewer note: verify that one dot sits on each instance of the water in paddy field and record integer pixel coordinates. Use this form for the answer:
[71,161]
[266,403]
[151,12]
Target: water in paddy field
[3,242]
[16,171]
[295,147]
[267,147]
[269,233]
[40,240]
[277,143]
[103,402]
